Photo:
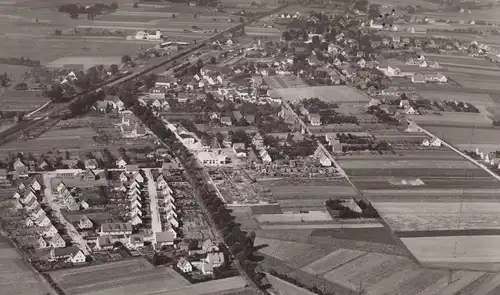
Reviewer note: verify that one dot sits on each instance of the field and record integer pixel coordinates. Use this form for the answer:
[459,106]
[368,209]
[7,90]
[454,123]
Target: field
[353,163]
[332,260]
[17,277]
[339,94]
[457,250]
[87,62]
[465,135]
[453,119]
[285,288]
[14,100]
[135,277]
[284,81]
[290,217]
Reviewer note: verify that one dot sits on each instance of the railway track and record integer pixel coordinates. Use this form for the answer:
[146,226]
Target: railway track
[17,130]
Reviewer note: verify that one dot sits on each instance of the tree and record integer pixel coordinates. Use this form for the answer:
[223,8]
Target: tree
[114,6]
[213,60]
[126,59]
[113,69]
[286,36]
[57,32]
[149,80]
[173,15]
[73,14]
[136,5]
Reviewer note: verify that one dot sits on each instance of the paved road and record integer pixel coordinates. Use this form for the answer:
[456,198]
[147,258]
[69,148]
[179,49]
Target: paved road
[153,202]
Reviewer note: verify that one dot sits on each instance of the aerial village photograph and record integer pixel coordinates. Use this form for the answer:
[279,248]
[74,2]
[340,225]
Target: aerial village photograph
[249,147]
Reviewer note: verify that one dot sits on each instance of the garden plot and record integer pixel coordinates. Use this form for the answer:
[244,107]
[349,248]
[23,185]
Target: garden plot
[332,260]
[337,94]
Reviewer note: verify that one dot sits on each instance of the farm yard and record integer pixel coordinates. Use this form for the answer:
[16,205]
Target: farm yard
[16,275]
[338,94]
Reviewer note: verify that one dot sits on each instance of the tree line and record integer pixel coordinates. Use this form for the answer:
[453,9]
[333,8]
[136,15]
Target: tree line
[240,243]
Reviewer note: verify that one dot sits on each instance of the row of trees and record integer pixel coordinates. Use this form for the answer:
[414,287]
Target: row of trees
[239,242]
[19,61]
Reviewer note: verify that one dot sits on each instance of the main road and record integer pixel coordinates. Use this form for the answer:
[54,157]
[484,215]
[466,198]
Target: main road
[31,122]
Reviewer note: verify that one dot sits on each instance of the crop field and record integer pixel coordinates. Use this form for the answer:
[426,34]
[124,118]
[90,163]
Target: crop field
[466,135]
[284,81]
[432,216]
[453,118]
[16,100]
[463,60]
[396,183]
[301,235]
[310,192]
[339,94]
[282,250]
[418,172]
[332,260]
[455,249]
[285,288]
[291,217]
[475,99]
[135,277]
[86,62]
[15,276]
[405,164]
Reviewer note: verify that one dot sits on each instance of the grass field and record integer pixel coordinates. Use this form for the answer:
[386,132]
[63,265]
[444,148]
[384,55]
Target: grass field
[291,217]
[87,62]
[337,94]
[15,276]
[405,164]
[453,118]
[466,135]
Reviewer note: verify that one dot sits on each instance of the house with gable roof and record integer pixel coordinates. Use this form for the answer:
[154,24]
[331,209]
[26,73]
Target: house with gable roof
[85,223]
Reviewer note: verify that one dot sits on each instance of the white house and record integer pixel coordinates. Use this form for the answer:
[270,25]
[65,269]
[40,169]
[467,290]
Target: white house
[410,111]
[184,265]
[121,163]
[436,142]
[85,223]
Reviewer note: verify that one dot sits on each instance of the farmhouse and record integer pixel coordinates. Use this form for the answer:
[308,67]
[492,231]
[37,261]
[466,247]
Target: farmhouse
[212,158]
[121,163]
[70,254]
[91,164]
[418,78]
[184,265]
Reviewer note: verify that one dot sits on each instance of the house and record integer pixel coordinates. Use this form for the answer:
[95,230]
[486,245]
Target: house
[265,157]
[19,165]
[89,175]
[209,246]
[412,127]
[161,183]
[226,121]
[84,205]
[85,223]
[29,222]
[42,221]
[70,163]
[104,243]
[123,177]
[206,268]
[73,205]
[3,174]
[184,265]
[322,157]
[61,188]
[216,259]
[77,257]
[418,78]
[42,243]
[121,163]
[158,92]
[57,241]
[164,238]
[35,184]
[404,103]
[71,254]
[438,78]
[91,164]
[315,119]
[138,177]
[135,241]
[436,142]
[258,141]
[410,111]
[135,220]
[49,231]
[116,228]
[212,158]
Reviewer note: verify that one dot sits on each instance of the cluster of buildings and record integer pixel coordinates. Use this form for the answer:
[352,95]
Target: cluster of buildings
[212,258]
[67,199]
[40,226]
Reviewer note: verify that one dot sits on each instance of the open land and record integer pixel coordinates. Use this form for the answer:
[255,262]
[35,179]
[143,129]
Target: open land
[135,276]
[16,276]
[332,94]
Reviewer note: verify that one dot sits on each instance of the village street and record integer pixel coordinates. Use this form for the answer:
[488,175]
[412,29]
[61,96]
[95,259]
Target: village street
[56,210]
[153,202]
